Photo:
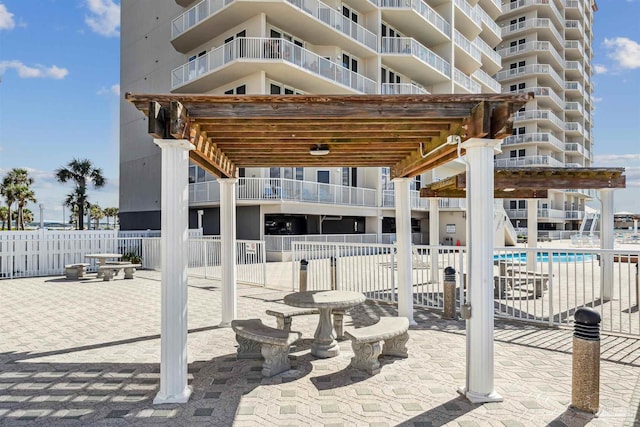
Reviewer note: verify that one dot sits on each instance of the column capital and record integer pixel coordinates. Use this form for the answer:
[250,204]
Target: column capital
[227,180]
[402,179]
[604,190]
[177,143]
[482,142]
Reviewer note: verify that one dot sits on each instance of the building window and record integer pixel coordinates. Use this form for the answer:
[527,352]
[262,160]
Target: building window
[323,177]
[521,63]
[522,85]
[240,90]
[350,62]
[274,172]
[350,177]
[513,88]
[299,174]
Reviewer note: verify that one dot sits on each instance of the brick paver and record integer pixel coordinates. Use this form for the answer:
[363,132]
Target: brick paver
[86,353]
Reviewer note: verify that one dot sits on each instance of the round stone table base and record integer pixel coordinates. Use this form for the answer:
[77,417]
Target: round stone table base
[324,343]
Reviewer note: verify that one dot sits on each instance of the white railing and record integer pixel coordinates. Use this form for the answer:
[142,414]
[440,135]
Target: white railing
[528,161]
[417,202]
[283,243]
[542,91]
[487,80]
[574,146]
[574,65]
[315,8]
[402,89]
[270,49]
[551,213]
[534,285]
[506,8]
[530,69]
[539,115]
[574,106]
[533,46]
[410,46]
[466,45]
[574,214]
[489,22]
[390,238]
[466,82]
[283,189]
[487,50]
[574,127]
[572,24]
[538,23]
[574,44]
[426,11]
[534,137]
[470,11]
[571,85]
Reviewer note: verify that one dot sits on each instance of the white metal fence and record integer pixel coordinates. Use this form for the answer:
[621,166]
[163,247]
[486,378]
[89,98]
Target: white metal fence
[546,289]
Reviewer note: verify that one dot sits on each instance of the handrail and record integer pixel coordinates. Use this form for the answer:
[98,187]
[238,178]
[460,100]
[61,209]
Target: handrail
[410,46]
[422,8]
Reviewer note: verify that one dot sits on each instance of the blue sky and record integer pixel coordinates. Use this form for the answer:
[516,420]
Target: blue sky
[59,94]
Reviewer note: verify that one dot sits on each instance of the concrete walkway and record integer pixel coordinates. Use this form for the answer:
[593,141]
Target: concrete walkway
[86,353]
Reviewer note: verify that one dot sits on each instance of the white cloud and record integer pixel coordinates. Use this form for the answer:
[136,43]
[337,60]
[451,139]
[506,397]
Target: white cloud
[600,69]
[113,90]
[38,71]
[624,51]
[104,18]
[616,158]
[6,18]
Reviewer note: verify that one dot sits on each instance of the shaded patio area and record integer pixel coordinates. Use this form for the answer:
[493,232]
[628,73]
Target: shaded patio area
[86,353]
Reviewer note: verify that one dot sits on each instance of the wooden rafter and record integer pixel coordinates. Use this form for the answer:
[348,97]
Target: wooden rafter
[497,194]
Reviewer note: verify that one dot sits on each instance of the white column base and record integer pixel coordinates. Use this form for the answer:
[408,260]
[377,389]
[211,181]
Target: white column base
[174,398]
[480,398]
[224,325]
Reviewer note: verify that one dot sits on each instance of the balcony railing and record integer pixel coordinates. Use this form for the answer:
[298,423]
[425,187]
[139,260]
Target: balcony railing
[489,22]
[282,189]
[574,106]
[315,8]
[542,91]
[574,44]
[467,46]
[530,69]
[531,47]
[410,46]
[470,11]
[574,127]
[466,82]
[270,49]
[574,147]
[426,11]
[551,213]
[539,115]
[528,161]
[574,65]
[574,25]
[487,80]
[538,137]
[573,214]
[486,49]
[389,200]
[402,89]
[508,7]
[571,85]
[539,23]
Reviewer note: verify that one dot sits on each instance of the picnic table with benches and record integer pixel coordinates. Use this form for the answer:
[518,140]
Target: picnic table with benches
[109,270]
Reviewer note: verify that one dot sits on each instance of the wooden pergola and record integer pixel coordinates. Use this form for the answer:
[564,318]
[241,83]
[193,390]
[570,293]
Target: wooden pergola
[410,134]
[407,133]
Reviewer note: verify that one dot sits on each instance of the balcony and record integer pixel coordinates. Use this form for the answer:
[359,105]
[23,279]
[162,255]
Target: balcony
[574,147]
[536,138]
[545,73]
[402,89]
[555,215]
[245,55]
[467,19]
[465,82]
[573,215]
[417,202]
[491,60]
[528,161]
[284,190]
[416,14]
[487,82]
[574,28]
[574,107]
[544,8]
[407,56]
[545,51]
[574,128]
[574,49]
[490,30]
[319,23]
[539,25]
[574,68]
[538,115]
[494,7]
[574,87]
[467,54]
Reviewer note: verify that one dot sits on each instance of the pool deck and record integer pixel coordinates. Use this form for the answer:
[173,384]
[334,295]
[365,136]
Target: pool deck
[87,352]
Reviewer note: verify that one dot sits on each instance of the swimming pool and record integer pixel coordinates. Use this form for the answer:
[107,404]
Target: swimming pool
[544,257]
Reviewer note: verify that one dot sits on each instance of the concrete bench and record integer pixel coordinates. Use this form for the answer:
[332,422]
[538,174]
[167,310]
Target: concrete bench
[284,317]
[256,339]
[366,342]
[75,271]
[110,270]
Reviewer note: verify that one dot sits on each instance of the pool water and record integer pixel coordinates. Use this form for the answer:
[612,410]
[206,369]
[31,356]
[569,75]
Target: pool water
[544,257]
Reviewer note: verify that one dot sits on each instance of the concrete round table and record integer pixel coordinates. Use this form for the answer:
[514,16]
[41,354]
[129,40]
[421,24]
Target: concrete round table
[324,343]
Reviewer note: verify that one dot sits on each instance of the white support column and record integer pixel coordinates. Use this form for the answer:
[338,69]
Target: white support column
[606,242]
[479,384]
[228,248]
[434,236]
[532,232]
[174,247]
[403,243]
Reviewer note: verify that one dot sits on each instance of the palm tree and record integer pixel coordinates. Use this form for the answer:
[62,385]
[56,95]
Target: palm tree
[72,202]
[97,214]
[4,216]
[11,184]
[81,172]
[27,217]
[111,213]
[23,194]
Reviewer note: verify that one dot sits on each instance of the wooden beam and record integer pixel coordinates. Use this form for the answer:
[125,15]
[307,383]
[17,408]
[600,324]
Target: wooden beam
[501,120]
[479,123]
[157,126]
[179,121]
[498,194]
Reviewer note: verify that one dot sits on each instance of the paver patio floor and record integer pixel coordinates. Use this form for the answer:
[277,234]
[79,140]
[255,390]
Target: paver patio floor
[86,353]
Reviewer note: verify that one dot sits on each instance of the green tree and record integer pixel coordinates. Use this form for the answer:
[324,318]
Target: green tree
[4,216]
[82,172]
[27,217]
[16,183]
[111,213]
[97,214]
[72,202]
[23,195]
